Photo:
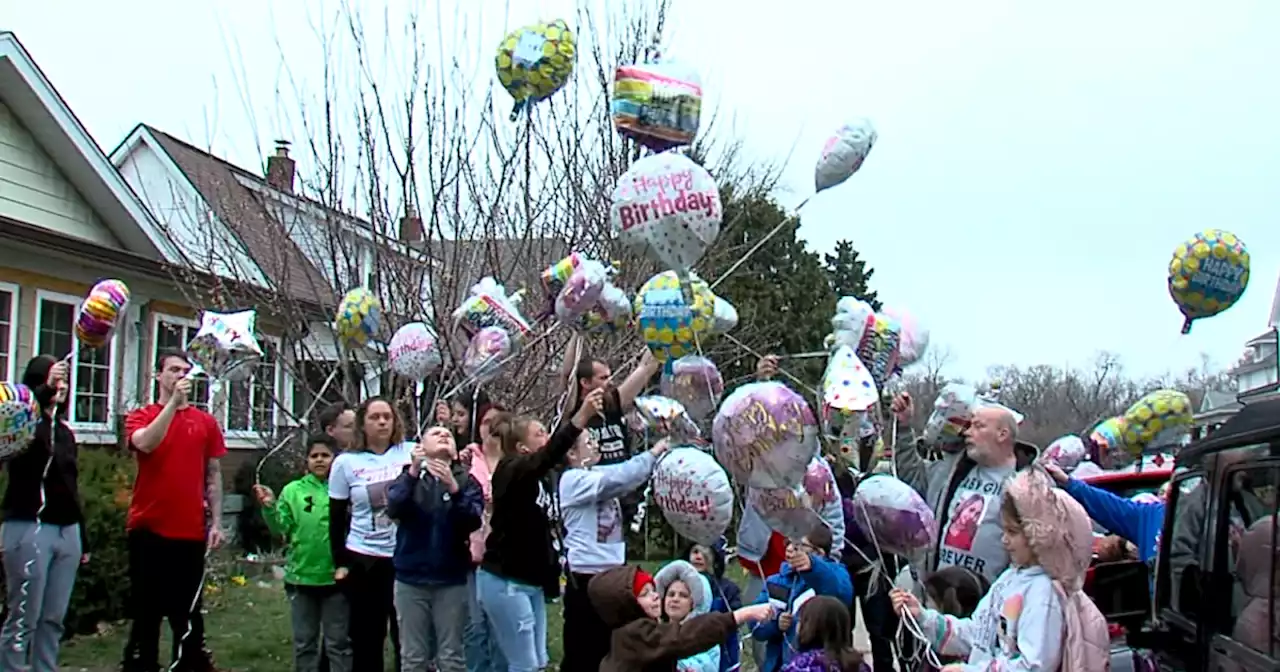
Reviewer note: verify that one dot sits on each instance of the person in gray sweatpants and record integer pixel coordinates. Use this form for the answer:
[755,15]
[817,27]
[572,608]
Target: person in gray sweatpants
[43,533]
[436,505]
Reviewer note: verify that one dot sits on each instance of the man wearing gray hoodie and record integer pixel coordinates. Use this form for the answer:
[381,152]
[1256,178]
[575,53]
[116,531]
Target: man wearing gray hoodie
[964,488]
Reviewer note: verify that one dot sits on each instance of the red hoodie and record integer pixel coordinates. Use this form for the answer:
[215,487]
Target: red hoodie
[771,563]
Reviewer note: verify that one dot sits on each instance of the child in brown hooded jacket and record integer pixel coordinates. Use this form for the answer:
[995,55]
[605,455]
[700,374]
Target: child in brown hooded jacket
[629,603]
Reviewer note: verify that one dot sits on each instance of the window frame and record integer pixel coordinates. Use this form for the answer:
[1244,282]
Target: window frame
[1165,608]
[16,293]
[253,433]
[113,362]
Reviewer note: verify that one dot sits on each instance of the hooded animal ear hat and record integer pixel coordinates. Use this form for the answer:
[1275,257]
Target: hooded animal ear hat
[1058,531]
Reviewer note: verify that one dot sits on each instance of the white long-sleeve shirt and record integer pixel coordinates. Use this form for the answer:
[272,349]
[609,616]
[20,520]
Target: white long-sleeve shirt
[1016,627]
[594,539]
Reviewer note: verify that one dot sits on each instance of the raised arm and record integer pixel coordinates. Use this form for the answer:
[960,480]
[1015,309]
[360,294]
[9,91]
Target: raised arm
[639,379]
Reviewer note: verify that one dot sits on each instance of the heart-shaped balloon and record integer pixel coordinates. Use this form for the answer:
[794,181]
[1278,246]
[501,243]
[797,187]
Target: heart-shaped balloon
[844,153]
[668,206]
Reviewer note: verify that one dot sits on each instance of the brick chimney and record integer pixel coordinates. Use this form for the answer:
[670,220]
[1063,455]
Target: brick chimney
[281,168]
[410,226]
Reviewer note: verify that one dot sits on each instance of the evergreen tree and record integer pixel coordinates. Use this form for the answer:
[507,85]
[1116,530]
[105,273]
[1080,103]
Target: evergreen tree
[848,275]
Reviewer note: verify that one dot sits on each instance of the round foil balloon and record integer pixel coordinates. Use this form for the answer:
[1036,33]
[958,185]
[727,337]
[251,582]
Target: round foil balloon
[819,483]
[413,352]
[693,493]
[1163,415]
[847,387]
[668,206]
[489,305]
[226,346]
[694,381]
[788,511]
[359,314]
[765,435]
[611,313]
[535,61]
[101,312]
[666,417]
[1208,274]
[726,316]
[581,292]
[895,514]
[667,322]
[914,339]
[483,358]
[19,415]
[1067,452]
[844,153]
[657,104]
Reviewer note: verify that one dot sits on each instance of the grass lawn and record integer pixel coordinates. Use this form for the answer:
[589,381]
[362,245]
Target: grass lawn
[248,630]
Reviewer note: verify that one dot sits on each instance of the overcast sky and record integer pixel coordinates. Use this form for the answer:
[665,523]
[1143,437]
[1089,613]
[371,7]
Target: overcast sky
[1036,167]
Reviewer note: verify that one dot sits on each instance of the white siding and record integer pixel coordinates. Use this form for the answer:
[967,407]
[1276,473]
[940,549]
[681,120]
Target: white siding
[182,214]
[34,191]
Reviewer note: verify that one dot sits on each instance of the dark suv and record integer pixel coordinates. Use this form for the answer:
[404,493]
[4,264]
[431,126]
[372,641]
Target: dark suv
[1217,578]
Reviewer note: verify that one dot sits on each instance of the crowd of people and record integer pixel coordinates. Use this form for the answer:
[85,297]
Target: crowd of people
[451,546]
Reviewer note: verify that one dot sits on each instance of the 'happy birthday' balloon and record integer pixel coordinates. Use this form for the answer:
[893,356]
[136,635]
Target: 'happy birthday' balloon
[19,415]
[694,380]
[694,494]
[668,206]
[894,514]
[788,511]
[1157,420]
[1208,274]
[413,352]
[535,61]
[844,153]
[667,322]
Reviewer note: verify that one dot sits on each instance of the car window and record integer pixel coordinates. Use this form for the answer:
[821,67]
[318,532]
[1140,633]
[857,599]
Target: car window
[1177,578]
[1245,557]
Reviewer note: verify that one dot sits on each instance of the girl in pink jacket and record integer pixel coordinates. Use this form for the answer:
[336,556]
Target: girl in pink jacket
[1035,617]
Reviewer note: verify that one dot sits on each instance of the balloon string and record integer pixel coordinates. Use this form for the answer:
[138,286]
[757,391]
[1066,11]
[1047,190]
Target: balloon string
[757,246]
[195,602]
[28,567]
[783,371]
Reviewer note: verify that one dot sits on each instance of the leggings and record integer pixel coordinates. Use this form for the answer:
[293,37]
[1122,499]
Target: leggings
[370,589]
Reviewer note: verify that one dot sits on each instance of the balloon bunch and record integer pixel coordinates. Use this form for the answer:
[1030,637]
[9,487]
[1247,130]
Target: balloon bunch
[492,318]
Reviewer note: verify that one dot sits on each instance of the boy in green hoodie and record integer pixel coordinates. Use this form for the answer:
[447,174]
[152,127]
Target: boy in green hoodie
[301,515]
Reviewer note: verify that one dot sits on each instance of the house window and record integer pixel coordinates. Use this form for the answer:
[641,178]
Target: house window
[92,385]
[251,403]
[8,329]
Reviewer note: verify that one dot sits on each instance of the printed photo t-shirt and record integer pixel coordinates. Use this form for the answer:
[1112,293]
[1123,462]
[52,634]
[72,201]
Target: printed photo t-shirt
[363,479]
[972,536]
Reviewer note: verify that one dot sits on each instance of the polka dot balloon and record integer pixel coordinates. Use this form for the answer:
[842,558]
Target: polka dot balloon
[19,414]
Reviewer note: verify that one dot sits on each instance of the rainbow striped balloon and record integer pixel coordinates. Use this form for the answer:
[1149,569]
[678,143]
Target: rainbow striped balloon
[101,312]
[19,414]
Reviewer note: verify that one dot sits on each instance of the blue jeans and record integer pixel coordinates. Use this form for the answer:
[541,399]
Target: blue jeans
[47,564]
[483,654]
[518,613]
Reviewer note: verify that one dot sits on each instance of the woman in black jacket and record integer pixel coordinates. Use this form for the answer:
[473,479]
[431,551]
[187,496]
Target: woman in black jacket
[521,567]
[40,564]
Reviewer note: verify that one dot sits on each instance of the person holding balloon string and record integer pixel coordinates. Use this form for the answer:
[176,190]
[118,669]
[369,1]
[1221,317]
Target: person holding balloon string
[483,653]
[521,568]
[594,540]
[42,487]
[178,447]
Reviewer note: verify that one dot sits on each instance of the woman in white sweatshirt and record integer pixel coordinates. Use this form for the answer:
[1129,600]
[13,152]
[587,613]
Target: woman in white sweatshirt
[594,541]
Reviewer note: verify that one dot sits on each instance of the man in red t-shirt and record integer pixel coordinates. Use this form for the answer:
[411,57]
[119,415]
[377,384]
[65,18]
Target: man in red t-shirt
[174,517]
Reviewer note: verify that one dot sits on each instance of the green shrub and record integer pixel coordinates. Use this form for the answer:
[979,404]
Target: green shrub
[106,479]
[285,465]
